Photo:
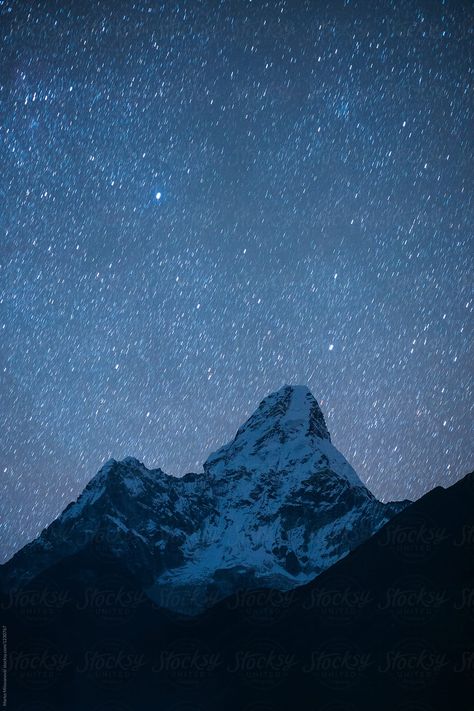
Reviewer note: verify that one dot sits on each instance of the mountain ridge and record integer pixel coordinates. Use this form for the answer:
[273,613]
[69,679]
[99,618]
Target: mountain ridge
[393,620]
[276,505]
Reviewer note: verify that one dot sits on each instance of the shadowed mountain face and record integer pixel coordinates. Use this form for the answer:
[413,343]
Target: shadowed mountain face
[389,626]
[275,507]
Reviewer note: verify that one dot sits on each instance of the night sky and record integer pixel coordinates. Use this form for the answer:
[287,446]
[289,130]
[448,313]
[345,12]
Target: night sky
[202,201]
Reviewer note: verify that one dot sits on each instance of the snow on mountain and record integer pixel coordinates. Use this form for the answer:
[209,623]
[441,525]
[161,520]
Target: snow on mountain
[286,431]
[276,506]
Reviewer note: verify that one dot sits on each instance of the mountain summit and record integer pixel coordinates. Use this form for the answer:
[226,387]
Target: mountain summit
[287,422]
[276,506]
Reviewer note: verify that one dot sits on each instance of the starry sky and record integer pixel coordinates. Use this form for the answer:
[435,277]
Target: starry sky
[202,201]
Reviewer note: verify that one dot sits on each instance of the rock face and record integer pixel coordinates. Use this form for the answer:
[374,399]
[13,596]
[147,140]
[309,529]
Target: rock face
[274,507]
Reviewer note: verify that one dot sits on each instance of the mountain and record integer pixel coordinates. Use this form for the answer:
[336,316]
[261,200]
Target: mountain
[274,507]
[391,626]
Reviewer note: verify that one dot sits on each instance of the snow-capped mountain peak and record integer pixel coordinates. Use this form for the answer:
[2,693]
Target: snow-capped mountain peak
[291,411]
[290,415]
[276,506]
[287,431]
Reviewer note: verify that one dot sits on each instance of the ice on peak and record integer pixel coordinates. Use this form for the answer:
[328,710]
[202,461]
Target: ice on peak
[113,464]
[302,407]
[292,407]
[132,461]
[287,425]
[111,469]
[301,390]
[126,470]
[103,474]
